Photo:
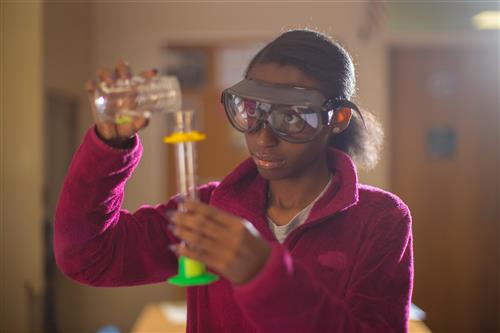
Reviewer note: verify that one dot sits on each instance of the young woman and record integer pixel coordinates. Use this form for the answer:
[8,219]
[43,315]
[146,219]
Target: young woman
[299,244]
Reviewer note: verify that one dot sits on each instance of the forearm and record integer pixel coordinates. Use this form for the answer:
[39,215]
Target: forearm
[91,197]
[95,241]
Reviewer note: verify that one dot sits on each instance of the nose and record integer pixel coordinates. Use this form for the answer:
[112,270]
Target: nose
[265,136]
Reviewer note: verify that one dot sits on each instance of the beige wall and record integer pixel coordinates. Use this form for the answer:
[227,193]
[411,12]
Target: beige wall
[67,43]
[22,162]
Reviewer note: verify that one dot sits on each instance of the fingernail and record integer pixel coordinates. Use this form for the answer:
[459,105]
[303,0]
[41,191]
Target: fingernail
[173,247]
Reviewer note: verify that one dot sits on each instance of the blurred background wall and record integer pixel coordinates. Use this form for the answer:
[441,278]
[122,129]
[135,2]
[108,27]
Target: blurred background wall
[22,164]
[50,48]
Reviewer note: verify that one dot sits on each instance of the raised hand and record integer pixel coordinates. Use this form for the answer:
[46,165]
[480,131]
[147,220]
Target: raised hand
[113,132]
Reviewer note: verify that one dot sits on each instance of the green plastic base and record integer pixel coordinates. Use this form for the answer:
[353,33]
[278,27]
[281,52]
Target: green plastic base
[183,281]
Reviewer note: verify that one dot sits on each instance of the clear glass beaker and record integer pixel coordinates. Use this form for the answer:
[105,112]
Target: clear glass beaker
[125,99]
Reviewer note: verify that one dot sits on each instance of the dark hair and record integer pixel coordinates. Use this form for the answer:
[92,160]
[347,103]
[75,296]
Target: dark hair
[324,60]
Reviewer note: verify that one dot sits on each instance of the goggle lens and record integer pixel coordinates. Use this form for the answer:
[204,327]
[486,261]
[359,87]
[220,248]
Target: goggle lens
[292,123]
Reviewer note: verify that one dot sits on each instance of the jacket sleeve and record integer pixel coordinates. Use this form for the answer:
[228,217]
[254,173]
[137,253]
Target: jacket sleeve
[377,299]
[95,241]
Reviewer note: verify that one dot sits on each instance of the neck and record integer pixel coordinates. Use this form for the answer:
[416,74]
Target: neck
[297,193]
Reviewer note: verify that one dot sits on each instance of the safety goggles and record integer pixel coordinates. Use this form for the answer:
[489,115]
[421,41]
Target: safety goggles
[294,114]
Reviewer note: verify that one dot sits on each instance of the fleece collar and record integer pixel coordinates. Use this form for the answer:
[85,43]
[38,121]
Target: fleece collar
[244,192]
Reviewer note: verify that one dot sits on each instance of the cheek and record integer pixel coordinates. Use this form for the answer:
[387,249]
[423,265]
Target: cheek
[311,152]
[250,141]
[297,153]
[303,154]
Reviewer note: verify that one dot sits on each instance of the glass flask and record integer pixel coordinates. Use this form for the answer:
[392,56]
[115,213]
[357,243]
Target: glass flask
[125,99]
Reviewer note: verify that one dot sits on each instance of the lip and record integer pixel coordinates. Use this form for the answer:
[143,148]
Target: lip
[267,161]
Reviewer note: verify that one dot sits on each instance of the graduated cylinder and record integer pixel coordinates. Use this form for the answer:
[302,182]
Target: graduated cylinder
[184,138]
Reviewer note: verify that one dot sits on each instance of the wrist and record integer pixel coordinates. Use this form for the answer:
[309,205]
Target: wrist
[118,143]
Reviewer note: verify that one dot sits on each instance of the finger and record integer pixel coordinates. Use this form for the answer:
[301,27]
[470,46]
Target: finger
[185,251]
[201,225]
[214,260]
[90,86]
[139,123]
[107,130]
[190,252]
[208,258]
[210,212]
[122,70]
[211,217]
[233,230]
[125,129]
[197,241]
[105,75]
[149,74]
[186,232]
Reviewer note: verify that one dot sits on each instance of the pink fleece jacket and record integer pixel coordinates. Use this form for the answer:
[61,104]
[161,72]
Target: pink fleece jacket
[348,268]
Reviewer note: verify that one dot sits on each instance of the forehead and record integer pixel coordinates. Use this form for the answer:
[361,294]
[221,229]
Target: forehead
[282,74]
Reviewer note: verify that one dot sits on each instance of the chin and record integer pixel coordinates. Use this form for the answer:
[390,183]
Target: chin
[273,174]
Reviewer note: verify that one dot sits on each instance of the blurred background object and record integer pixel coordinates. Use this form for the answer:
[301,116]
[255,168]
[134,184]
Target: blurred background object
[429,71]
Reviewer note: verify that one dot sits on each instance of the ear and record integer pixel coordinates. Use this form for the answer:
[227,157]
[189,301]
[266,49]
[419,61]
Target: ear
[341,120]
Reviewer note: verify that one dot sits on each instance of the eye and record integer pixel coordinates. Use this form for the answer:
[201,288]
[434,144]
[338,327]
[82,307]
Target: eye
[250,108]
[291,118]
[289,121]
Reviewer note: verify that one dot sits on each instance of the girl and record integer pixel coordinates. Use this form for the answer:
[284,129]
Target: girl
[299,244]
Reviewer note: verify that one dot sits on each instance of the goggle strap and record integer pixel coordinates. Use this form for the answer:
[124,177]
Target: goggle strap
[339,103]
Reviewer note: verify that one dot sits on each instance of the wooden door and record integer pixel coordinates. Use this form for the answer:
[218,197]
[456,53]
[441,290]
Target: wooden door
[445,159]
